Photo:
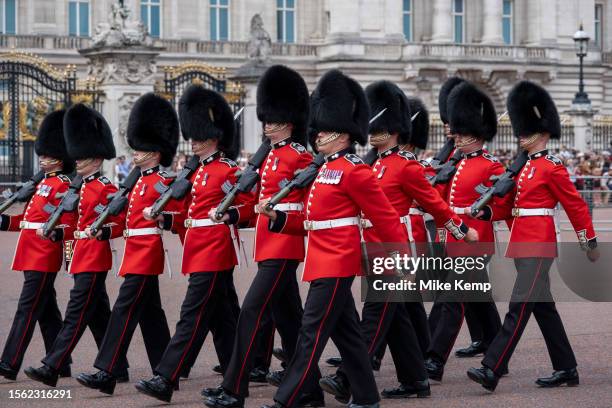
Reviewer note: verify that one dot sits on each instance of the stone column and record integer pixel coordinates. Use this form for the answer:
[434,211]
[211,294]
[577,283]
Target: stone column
[492,22]
[442,27]
[248,75]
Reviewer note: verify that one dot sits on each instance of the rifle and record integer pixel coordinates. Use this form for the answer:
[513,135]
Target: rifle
[443,154]
[118,202]
[25,192]
[68,204]
[502,184]
[446,171]
[247,179]
[301,180]
[371,156]
[177,189]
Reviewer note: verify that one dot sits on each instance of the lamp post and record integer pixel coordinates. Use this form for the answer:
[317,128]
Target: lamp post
[581,41]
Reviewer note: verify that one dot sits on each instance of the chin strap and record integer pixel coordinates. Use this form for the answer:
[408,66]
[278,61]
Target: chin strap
[333,136]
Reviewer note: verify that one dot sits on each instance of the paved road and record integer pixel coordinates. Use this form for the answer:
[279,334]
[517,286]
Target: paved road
[589,326]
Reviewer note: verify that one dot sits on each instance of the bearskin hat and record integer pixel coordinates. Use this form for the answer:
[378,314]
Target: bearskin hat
[396,118]
[532,110]
[153,127]
[445,91]
[471,112]
[339,104]
[282,97]
[87,134]
[420,123]
[50,141]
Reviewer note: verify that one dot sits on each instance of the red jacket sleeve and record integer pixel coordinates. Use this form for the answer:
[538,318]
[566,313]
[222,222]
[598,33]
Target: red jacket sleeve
[11,222]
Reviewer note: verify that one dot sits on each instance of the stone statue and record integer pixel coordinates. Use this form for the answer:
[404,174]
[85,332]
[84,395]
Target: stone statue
[120,31]
[259,43]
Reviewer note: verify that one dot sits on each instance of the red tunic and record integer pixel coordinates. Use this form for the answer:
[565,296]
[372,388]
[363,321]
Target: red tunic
[344,187]
[92,255]
[543,183]
[33,253]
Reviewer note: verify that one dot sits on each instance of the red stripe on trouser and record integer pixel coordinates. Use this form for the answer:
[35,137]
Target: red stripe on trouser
[76,331]
[380,321]
[518,323]
[195,329]
[458,330]
[112,364]
[314,348]
[270,344]
[263,308]
[25,332]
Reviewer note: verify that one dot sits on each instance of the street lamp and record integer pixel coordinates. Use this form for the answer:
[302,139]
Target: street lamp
[581,41]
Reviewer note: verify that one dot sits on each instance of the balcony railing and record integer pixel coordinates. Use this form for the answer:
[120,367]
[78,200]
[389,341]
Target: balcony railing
[480,52]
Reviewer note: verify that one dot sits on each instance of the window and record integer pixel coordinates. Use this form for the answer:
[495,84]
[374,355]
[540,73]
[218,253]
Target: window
[219,20]
[150,14]
[407,19]
[8,16]
[285,21]
[458,26]
[78,18]
[507,14]
[598,25]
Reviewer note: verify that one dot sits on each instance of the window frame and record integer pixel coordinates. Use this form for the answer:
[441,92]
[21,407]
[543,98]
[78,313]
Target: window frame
[216,8]
[598,26]
[410,14]
[78,18]
[283,10]
[3,22]
[456,14]
[510,18]
[149,4]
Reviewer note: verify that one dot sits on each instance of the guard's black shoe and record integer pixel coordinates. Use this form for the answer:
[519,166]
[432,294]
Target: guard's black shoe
[280,354]
[157,387]
[101,381]
[558,378]
[311,400]
[258,375]
[44,374]
[435,369]
[337,386]
[225,400]
[484,376]
[474,349]
[217,369]
[275,377]
[376,363]
[211,392]
[65,372]
[334,361]
[419,388]
[7,371]
[123,378]
[375,405]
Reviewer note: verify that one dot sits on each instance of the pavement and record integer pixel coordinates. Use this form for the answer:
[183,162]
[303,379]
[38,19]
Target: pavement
[589,326]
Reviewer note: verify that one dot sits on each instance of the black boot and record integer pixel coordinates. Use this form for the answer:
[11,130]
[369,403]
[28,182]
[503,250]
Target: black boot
[211,392]
[217,369]
[558,378]
[485,377]
[435,369]
[419,388]
[157,387]
[334,361]
[474,349]
[44,374]
[258,375]
[280,355]
[275,377]
[275,405]
[376,362]
[374,405]
[337,386]
[101,381]
[225,400]
[7,371]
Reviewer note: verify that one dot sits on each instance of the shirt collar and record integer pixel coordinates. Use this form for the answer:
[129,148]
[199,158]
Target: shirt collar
[150,170]
[52,174]
[536,155]
[282,143]
[475,153]
[338,154]
[93,176]
[388,152]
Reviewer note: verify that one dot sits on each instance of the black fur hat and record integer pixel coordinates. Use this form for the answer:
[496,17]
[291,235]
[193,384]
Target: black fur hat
[205,114]
[282,97]
[471,112]
[532,110]
[396,119]
[50,141]
[338,104]
[445,90]
[153,127]
[87,134]
[420,123]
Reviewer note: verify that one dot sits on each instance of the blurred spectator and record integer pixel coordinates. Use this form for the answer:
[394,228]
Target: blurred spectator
[122,168]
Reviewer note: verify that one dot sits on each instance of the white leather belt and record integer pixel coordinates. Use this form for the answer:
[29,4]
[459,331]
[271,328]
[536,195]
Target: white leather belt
[461,210]
[30,225]
[204,222]
[530,212]
[287,207]
[326,224]
[80,235]
[415,211]
[134,232]
[368,224]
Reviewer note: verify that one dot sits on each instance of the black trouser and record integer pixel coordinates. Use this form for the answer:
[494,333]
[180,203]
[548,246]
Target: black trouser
[88,306]
[329,312]
[418,318]
[532,283]
[138,303]
[203,300]
[271,289]
[37,303]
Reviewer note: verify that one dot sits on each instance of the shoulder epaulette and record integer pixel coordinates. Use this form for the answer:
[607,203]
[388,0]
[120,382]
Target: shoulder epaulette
[353,159]
[298,147]
[64,178]
[406,155]
[490,157]
[229,162]
[554,159]
[104,180]
[424,163]
[164,174]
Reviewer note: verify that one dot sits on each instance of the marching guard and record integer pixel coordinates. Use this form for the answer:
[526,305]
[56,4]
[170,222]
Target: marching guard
[89,141]
[153,134]
[541,185]
[39,258]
